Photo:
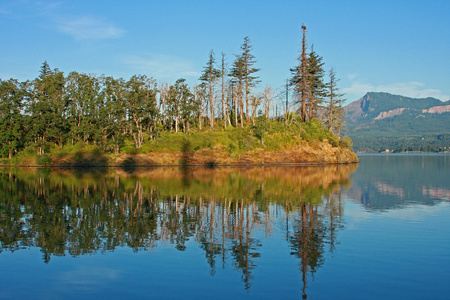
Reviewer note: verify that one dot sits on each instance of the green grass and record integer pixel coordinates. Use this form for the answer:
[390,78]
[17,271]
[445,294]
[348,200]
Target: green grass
[266,134]
[272,136]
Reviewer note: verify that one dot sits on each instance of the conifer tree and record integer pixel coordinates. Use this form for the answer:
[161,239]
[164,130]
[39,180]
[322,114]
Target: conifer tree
[249,80]
[237,81]
[334,117]
[315,82]
[48,108]
[299,78]
[209,77]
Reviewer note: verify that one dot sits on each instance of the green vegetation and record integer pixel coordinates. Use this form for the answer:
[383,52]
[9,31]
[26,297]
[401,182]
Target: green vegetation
[93,119]
[381,121]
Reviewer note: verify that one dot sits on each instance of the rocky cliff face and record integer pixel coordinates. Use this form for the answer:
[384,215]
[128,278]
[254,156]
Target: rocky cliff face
[390,113]
[437,109]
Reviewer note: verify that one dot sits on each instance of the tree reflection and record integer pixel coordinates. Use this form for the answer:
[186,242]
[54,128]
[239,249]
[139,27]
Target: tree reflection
[223,210]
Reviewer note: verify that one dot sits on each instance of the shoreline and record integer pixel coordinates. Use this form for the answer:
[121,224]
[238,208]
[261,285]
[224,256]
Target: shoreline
[301,155]
[198,165]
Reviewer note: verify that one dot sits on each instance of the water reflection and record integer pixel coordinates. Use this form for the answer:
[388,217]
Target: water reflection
[385,182]
[224,211]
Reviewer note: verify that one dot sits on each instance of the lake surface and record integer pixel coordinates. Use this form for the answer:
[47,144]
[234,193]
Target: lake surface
[376,230]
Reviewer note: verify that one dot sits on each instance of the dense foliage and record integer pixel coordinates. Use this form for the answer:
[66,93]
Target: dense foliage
[110,115]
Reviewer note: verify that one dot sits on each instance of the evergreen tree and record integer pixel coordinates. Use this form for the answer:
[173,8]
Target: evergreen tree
[48,108]
[315,74]
[209,77]
[45,70]
[335,111]
[249,80]
[299,79]
[307,80]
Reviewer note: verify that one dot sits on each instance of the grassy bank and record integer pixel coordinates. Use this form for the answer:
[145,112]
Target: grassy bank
[268,142]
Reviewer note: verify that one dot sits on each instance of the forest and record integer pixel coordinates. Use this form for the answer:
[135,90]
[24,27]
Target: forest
[113,115]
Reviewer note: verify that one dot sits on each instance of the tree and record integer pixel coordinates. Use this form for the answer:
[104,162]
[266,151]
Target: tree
[163,95]
[180,105]
[334,117]
[12,95]
[209,77]
[113,113]
[255,101]
[189,108]
[248,60]
[48,108]
[141,106]
[45,70]
[268,96]
[225,110]
[82,97]
[237,74]
[300,78]
[200,95]
[317,87]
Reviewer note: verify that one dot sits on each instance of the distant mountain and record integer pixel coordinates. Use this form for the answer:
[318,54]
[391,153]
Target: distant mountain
[380,121]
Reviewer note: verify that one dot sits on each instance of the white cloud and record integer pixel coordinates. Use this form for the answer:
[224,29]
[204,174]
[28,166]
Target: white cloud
[89,28]
[411,89]
[358,88]
[352,76]
[160,66]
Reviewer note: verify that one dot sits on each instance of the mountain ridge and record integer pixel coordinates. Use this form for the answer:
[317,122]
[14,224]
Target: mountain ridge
[379,120]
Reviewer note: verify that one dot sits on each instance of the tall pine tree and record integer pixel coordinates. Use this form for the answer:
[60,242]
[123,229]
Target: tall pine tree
[315,74]
[299,79]
[334,117]
[210,76]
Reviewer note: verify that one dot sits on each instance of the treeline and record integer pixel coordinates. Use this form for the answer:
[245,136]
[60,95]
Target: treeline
[56,110]
[427,143]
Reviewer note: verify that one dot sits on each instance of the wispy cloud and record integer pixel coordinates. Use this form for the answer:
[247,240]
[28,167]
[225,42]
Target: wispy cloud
[410,89]
[163,67]
[58,16]
[89,27]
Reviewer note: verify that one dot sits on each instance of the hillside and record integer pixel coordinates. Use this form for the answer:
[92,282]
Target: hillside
[380,121]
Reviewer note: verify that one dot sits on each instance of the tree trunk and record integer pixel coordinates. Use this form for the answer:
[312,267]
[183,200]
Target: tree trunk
[304,82]
[211,106]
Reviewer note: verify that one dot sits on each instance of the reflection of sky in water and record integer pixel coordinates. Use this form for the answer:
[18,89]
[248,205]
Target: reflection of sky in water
[385,182]
[85,277]
[394,245]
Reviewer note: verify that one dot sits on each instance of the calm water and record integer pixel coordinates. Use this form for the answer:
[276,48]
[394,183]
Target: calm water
[377,230]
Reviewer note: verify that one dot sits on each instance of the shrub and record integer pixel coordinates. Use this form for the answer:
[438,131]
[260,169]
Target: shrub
[346,142]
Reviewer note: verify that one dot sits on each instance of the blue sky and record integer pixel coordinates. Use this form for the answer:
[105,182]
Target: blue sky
[401,47]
